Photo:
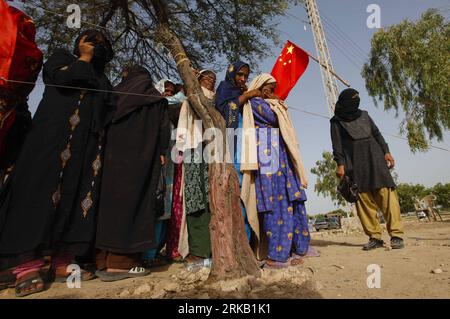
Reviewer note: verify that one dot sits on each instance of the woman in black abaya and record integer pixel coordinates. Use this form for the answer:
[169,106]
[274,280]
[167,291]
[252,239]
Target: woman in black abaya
[48,206]
[136,143]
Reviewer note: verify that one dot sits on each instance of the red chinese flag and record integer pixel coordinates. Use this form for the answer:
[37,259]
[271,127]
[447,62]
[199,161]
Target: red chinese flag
[290,66]
[8,38]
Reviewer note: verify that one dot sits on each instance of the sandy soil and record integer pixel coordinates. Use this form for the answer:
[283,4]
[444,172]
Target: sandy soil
[340,272]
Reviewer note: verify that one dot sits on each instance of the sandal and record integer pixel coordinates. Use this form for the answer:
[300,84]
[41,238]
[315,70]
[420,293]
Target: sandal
[177,260]
[155,263]
[296,261]
[29,284]
[192,259]
[115,276]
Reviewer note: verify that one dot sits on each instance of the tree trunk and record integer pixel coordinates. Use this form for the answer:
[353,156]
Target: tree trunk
[231,252]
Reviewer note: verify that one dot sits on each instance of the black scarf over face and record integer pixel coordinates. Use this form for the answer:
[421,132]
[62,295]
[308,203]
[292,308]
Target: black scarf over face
[103,52]
[137,80]
[347,106]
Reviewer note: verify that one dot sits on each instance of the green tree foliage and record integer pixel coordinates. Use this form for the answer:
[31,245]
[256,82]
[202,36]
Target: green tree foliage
[442,192]
[319,217]
[327,182]
[213,32]
[341,213]
[407,194]
[409,69]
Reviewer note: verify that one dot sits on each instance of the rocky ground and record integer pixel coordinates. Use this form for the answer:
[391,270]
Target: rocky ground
[421,270]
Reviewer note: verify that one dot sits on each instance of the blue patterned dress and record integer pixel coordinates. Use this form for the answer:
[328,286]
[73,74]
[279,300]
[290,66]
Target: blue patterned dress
[280,197]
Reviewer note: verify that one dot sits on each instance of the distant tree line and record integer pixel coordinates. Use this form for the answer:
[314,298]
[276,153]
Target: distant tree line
[407,194]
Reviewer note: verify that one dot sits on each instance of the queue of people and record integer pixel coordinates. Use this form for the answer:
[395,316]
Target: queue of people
[109,178]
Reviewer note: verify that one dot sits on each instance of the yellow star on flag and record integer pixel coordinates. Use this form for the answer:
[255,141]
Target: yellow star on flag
[290,49]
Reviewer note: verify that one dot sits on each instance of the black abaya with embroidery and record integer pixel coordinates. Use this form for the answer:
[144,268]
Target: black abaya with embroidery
[49,203]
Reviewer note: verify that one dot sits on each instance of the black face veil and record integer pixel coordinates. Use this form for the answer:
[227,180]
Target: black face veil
[347,106]
[103,52]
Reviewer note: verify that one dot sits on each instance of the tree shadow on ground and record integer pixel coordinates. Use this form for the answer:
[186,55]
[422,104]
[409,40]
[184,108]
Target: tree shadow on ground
[324,243]
[422,238]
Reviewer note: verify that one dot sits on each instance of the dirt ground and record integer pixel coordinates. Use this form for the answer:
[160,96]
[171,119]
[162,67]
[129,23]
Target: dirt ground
[340,272]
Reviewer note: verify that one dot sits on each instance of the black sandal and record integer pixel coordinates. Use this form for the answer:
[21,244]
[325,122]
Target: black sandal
[156,262]
[29,284]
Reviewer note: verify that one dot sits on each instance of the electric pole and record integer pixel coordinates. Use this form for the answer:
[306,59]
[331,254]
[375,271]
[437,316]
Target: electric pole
[323,54]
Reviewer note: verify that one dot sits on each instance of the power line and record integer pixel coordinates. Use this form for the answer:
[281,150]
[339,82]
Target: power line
[79,88]
[334,26]
[147,95]
[345,43]
[297,18]
[345,35]
[385,133]
[159,96]
[357,58]
[357,66]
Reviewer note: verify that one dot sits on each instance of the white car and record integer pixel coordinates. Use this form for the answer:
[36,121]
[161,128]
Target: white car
[421,215]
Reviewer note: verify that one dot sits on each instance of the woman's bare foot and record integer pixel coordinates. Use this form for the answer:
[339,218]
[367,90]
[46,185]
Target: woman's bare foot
[117,270]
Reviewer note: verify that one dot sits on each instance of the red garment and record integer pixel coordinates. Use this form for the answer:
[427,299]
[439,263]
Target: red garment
[174,227]
[290,66]
[20,60]
[28,267]
[7,39]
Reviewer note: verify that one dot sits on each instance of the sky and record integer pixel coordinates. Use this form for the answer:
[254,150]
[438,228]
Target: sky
[313,132]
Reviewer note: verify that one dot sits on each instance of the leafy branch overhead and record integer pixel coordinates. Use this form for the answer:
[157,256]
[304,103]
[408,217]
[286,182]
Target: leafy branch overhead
[213,32]
[409,70]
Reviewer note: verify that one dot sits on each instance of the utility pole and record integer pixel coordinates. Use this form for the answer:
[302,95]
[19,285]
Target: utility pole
[326,65]
[323,55]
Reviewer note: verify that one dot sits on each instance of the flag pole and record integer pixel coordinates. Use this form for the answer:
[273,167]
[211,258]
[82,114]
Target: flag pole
[331,71]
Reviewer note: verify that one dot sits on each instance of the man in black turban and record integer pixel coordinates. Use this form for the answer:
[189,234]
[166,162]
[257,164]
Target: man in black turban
[362,154]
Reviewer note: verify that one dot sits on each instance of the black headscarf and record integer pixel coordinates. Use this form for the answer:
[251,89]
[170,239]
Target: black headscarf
[103,52]
[228,92]
[347,106]
[137,80]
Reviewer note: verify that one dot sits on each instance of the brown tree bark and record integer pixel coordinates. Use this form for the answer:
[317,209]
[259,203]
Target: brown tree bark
[231,252]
